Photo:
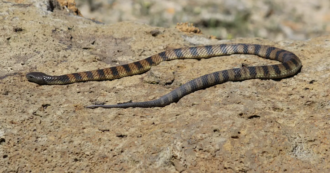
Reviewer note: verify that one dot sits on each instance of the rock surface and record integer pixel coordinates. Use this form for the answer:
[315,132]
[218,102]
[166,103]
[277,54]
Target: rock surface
[227,19]
[249,126]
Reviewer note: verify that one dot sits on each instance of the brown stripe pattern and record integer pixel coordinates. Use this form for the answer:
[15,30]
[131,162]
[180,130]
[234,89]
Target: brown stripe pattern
[290,65]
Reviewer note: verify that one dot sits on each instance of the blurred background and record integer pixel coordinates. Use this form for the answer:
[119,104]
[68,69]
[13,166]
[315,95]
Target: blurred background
[226,19]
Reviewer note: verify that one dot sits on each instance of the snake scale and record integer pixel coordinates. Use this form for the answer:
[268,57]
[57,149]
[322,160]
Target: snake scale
[290,65]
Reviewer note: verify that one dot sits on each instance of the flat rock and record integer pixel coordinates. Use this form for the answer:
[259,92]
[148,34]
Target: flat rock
[249,126]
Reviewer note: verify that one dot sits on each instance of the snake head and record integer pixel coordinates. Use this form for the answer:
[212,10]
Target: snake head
[37,77]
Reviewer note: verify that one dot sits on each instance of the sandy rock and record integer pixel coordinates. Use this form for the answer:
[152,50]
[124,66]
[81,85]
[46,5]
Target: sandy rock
[248,126]
[70,5]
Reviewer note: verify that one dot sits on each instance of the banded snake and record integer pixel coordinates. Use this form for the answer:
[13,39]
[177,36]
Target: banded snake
[290,65]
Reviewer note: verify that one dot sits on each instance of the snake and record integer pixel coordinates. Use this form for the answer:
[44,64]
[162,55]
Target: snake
[290,65]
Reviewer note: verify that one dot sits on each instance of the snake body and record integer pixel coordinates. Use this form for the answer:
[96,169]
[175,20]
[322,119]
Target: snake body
[290,65]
